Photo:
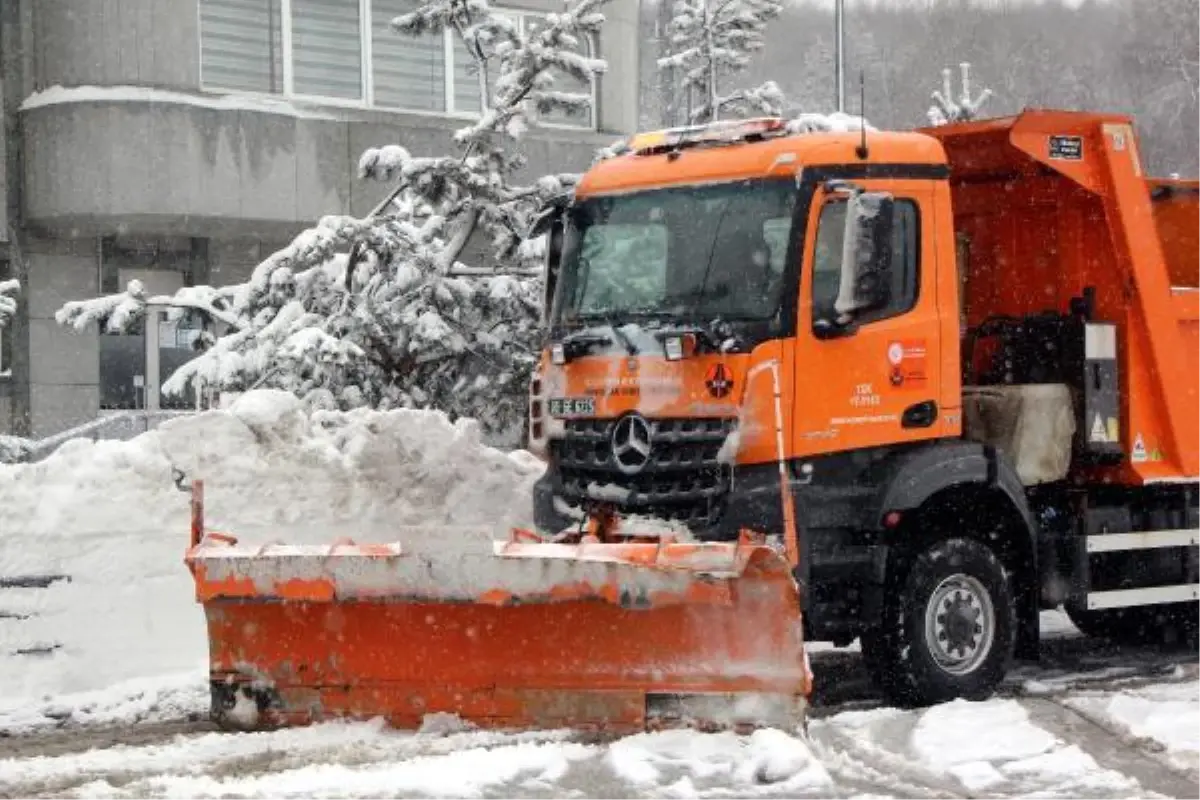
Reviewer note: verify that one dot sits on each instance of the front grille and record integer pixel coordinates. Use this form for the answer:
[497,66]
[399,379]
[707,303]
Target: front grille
[681,480]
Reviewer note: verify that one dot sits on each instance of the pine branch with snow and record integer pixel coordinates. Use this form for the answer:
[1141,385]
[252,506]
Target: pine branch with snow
[946,108]
[381,311]
[710,42]
[8,301]
[766,100]
[14,449]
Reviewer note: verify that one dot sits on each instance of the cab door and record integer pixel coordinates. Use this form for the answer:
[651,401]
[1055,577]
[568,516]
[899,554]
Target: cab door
[874,381]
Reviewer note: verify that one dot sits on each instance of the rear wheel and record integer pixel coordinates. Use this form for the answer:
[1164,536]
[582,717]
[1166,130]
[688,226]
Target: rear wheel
[948,627]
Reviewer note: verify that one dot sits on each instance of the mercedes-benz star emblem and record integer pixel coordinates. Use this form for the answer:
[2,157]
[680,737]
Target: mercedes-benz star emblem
[631,443]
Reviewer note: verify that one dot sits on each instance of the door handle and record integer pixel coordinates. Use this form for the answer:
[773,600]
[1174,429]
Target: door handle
[919,415]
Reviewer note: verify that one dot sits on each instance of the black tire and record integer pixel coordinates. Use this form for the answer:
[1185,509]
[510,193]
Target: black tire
[965,578]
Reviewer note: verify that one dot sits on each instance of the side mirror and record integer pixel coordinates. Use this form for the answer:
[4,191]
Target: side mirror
[549,221]
[551,261]
[866,255]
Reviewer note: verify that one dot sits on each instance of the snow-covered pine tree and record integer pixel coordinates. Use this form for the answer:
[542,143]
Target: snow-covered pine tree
[710,42]
[381,311]
[947,109]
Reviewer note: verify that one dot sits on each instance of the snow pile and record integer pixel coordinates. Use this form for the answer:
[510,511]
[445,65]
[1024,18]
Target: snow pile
[685,761]
[837,122]
[270,472]
[962,732]
[967,740]
[108,516]
[991,743]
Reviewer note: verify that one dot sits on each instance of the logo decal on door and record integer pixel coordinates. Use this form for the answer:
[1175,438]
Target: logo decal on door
[906,361]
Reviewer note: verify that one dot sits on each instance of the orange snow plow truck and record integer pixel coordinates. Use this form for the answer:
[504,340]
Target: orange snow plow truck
[909,388]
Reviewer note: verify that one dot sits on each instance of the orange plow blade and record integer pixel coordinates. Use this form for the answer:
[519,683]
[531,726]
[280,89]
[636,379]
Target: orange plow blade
[519,634]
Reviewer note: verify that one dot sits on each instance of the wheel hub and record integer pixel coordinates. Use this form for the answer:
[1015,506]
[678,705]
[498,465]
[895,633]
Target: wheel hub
[959,624]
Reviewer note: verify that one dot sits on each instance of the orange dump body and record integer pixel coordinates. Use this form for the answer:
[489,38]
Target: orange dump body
[1176,206]
[1037,229]
[526,633]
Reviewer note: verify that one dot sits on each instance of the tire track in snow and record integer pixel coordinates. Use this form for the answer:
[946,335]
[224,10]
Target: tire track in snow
[170,751]
[79,738]
[1113,748]
[865,768]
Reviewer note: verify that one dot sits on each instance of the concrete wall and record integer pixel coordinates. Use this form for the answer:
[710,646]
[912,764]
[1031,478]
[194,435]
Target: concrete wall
[4,156]
[63,365]
[111,42]
[176,168]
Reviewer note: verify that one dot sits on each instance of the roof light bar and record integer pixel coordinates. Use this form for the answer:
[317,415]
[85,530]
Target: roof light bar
[723,132]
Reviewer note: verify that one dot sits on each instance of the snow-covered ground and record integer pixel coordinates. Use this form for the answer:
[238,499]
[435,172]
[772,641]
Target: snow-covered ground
[957,750]
[103,691]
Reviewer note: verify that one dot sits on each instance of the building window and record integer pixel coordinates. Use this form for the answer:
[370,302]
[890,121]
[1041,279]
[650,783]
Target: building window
[327,48]
[345,51]
[241,45]
[407,72]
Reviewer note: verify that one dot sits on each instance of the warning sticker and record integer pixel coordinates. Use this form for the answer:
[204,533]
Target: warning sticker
[1114,430]
[1139,449]
[1066,148]
[1099,432]
[906,361]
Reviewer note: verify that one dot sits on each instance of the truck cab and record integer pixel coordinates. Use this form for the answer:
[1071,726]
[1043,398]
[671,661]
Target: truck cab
[939,356]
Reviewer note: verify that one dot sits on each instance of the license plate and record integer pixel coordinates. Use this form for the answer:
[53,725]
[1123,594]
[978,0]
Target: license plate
[572,406]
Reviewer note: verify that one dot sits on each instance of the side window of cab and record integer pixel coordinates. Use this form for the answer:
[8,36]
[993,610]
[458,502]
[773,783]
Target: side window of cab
[904,272]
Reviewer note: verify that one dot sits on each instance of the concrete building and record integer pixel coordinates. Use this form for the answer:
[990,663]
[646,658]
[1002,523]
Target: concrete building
[182,141]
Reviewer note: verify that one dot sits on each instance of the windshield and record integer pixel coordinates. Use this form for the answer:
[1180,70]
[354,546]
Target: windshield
[682,253]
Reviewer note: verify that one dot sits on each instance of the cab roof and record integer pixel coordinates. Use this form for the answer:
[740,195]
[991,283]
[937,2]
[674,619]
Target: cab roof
[649,162]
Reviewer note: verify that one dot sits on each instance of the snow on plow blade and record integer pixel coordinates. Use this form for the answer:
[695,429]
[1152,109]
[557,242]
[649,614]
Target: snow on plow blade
[517,634]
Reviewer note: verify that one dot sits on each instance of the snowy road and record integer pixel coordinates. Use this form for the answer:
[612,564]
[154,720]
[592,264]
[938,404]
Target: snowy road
[102,647]
[1129,730]
[1003,747]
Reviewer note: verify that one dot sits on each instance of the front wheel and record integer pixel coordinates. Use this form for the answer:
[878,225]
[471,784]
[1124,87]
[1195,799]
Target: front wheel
[948,627]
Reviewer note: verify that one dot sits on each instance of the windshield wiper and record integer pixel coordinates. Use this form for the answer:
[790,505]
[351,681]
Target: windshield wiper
[580,342]
[608,320]
[630,347]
